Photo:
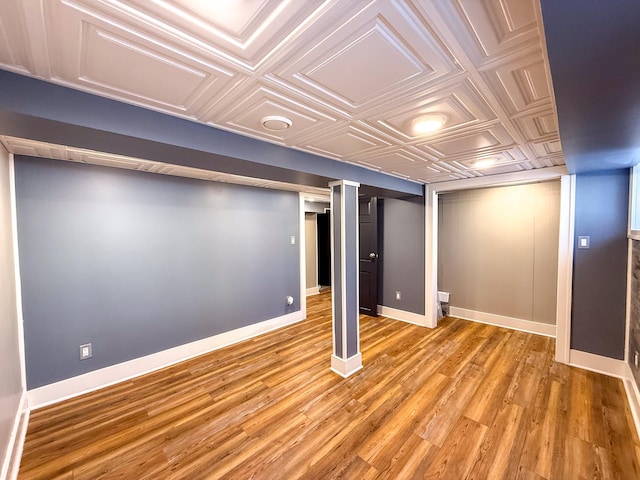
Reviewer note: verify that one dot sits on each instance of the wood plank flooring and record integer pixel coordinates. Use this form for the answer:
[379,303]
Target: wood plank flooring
[463,401]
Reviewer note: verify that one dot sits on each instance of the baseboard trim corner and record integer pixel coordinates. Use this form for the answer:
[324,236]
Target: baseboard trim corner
[347,367]
[104,377]
[402,315]
[11,462]
[633,395]
[503,321]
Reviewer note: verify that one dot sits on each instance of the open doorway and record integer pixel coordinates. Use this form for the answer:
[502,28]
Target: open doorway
[565,243]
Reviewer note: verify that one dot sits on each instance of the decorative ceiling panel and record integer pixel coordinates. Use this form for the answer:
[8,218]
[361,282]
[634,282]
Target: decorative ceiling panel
[353,78]
[521,83]
[110,58]
[257,102]
[376,53]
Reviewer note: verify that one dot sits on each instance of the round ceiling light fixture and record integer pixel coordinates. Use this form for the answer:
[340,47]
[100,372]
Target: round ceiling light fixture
[485,163]
[276,123]
[428,123]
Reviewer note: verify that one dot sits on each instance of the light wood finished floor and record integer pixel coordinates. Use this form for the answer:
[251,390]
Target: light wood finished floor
[463,401]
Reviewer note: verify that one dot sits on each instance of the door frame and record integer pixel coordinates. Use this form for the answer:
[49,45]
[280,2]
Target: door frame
[565,242]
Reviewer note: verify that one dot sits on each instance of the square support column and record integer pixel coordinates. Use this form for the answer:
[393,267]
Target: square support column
[346,358]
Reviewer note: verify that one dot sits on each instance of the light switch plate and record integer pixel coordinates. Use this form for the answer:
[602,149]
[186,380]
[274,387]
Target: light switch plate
[86,351]
[584,242]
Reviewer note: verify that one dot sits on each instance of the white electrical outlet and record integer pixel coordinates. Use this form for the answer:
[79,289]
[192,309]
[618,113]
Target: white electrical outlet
[635,359]
[86,351]
[398,296]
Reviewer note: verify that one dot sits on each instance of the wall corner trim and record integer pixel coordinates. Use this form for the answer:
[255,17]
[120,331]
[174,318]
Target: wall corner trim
[633,395]
[11,462]
[404,316]
[347,367]
[104,377]
[538,328]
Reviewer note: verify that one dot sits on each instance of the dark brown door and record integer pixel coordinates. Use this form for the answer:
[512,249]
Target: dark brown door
[368,218]
[324,250]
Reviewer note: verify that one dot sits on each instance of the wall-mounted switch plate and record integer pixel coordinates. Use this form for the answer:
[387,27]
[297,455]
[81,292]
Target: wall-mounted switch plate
[86,351]
[584,242]
[293,239]
[398,296]
[635,359]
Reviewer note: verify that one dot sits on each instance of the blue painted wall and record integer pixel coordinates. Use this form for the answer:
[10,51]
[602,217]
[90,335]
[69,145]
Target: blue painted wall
[137,263]
[402,258]
[600,273]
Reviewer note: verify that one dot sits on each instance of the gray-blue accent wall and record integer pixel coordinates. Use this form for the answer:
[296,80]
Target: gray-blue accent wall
[137,263]
[600,273]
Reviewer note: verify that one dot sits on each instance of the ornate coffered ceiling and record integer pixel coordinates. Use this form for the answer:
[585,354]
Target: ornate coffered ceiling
[353,76]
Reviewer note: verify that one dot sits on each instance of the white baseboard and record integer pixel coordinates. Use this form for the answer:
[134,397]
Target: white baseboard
[347,367]
[88,382]
[402,315]
[633,395]
[598,363]
[11,461]
[313,290]
[502,321]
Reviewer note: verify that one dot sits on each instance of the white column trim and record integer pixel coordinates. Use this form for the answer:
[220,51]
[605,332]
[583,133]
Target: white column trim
[430,257]
[347,367]
[350,183]
[302,254]
[565,268]
[16,269]
[333,269]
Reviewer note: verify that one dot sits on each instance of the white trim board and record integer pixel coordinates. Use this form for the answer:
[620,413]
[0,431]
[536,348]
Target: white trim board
[503,321]
[11,462]
[633,395]
[598,363]
[347,367]
[402,315]
[313,290]
[88,382]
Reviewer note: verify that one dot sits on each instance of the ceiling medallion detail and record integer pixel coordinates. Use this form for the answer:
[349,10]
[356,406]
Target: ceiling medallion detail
[276,123]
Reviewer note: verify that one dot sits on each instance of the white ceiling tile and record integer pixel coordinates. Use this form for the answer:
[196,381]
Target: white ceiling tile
[344,142]
[489,28]
[538,125]
[473,143]
[521,83]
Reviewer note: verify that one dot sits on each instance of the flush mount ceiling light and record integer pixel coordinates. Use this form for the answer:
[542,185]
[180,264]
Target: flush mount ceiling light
[276,123]
[428,123]
[486,163]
